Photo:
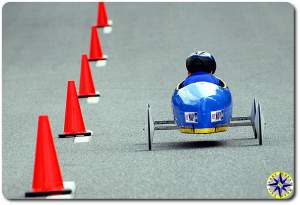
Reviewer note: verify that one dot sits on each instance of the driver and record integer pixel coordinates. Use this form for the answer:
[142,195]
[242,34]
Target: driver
[201,66]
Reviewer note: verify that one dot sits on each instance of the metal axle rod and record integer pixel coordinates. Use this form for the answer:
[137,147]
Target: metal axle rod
[166,127]
[239,124]
[164,122]
[240,118]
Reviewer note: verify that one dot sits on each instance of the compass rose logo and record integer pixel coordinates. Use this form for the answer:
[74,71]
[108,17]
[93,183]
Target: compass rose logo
[280,185]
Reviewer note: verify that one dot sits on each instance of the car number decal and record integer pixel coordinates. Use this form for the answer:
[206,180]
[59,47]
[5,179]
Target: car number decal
[191,117]
[217,115]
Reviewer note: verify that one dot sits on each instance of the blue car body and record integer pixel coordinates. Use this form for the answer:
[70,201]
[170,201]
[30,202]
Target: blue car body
[202,108]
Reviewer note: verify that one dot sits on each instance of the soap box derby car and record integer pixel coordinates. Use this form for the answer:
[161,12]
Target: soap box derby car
[204,108]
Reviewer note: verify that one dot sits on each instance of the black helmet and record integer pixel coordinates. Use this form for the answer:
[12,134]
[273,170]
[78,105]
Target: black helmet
[201,61]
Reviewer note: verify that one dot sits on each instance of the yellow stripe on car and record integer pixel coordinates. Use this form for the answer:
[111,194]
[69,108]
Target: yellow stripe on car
[203,130]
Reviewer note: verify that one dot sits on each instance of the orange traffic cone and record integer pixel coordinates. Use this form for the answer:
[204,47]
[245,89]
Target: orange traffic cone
[102,19]
[86,86]
[95,47]
[74,125]
[47,179]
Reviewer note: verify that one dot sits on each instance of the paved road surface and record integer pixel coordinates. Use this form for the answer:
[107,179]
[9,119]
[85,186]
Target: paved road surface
[253,44]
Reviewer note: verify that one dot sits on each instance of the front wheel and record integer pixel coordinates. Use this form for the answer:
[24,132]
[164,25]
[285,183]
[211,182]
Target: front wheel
[259,124]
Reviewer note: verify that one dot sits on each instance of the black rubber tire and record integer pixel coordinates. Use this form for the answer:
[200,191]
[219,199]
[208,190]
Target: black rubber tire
[148,129]
[255,134]
[260,126]
[255,111]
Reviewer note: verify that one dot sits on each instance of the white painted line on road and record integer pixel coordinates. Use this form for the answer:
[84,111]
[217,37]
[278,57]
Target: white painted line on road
[93,100]
[101,63]
[67,185]
[107,30]
[83,139]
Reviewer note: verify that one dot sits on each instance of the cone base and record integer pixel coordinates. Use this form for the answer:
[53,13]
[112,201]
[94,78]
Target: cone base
[104,58]
[101,26]
[83,139]
[87,96]
[67,185]
[109,24]
[47,193]
[69,135]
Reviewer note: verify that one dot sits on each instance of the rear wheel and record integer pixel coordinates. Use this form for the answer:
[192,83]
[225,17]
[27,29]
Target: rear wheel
[149,129]
[253,113]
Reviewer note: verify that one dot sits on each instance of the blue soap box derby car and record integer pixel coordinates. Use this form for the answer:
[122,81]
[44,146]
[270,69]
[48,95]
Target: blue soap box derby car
[204,108]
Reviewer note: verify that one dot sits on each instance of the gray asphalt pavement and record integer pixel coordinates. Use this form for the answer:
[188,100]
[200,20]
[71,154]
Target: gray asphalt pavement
[253,44]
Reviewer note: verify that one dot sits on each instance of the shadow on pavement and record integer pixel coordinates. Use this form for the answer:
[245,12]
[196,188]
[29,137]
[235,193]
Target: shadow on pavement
[241,142]
[181,145]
